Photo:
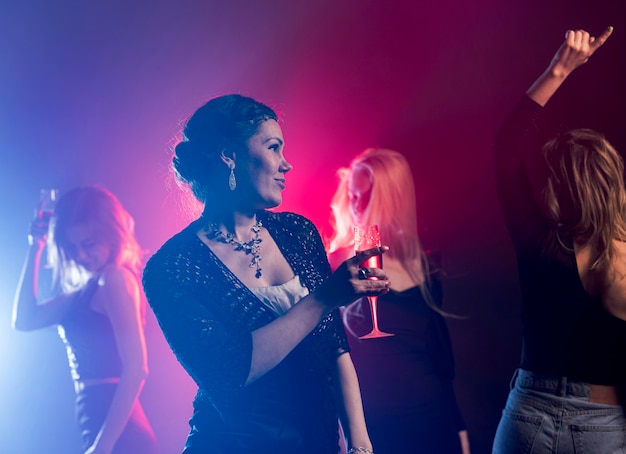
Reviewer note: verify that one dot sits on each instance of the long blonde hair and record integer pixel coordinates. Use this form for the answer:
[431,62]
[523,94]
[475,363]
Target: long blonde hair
[391,206]
[95,206]
[585,194]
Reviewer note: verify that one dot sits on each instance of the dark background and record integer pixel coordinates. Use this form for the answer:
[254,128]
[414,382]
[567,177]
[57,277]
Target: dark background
[96,92]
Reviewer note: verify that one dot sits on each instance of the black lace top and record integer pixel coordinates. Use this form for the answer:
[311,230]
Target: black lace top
[207,316]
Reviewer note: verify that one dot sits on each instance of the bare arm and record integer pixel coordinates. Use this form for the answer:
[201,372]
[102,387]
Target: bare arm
[273,342]
[119,293]
[349,404]
[28,314]
[578,47]
[464,438]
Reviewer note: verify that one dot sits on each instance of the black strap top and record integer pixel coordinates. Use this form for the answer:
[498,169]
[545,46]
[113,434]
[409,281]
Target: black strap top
[89,339]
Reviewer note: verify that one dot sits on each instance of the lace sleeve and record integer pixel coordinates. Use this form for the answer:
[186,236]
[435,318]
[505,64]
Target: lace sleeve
[212,348]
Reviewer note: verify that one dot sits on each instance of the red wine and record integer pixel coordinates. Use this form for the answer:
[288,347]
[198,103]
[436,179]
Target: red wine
[375,261]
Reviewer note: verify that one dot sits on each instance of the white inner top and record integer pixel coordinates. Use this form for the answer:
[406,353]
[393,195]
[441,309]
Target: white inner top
[280,298]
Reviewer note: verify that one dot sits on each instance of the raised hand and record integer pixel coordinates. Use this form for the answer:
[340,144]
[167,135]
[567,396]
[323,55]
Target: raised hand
[576,50]
[38,231]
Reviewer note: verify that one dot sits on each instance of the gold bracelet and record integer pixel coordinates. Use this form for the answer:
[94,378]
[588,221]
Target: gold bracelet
[360,449]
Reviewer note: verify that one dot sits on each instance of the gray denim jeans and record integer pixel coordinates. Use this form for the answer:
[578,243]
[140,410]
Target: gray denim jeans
[553,415]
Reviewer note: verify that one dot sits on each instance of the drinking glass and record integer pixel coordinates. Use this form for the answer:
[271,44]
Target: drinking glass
[45,209]
[43,214]
[367,237]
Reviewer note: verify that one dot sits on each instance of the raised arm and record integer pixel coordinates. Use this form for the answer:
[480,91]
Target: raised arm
[575,51]
[28,313]
[517,141]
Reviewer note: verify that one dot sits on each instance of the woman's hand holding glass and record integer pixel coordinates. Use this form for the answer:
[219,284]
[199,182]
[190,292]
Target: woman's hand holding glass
[348,284]
[365,237]
[38,229]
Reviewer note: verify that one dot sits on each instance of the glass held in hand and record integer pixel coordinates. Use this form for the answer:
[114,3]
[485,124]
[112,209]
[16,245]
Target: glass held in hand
[43,213]
[47,200]
[367,237]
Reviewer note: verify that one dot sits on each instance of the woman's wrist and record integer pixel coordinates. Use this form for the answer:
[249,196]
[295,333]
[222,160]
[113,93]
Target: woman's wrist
[360,449]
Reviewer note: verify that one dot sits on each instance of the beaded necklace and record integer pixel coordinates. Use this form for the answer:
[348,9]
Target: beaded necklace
[252,247]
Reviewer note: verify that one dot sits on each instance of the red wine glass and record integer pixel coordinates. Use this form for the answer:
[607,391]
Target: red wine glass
[367,237]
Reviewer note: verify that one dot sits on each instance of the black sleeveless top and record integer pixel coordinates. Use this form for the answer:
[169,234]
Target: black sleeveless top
[89,339]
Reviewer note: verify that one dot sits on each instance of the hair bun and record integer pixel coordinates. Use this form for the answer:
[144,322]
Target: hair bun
[186,161]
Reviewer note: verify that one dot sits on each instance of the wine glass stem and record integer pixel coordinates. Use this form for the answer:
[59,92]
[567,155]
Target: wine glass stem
[373,300]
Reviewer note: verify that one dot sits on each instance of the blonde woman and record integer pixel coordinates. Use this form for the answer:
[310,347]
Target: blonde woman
[99,313]
[406,380]
[571,259]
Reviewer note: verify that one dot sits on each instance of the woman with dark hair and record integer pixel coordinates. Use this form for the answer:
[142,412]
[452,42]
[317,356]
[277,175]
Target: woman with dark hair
[99,313]
[246,299]
[407,379]
[571,252]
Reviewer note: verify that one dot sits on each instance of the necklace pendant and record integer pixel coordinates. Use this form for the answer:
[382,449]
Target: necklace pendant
[252,247]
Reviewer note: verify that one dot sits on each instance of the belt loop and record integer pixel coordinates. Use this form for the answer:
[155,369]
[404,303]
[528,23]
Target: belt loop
[562,387]
[514,378]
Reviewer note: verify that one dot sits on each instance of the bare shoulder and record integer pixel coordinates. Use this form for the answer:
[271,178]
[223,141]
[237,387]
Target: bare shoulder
[115,275]
[117,287]
[614,295]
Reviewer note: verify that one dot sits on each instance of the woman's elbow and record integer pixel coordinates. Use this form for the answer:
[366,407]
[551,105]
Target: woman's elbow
[23,324]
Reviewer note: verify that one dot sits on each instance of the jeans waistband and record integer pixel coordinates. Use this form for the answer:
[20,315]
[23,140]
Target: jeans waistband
[566,387]
[559,386]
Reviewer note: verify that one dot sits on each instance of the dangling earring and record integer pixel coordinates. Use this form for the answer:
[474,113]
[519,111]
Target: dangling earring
[232,182]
